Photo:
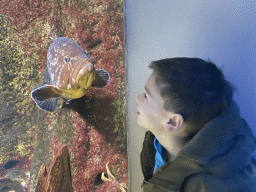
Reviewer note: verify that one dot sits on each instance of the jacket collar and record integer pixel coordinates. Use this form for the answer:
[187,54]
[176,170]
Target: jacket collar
[209,148]
[215,137]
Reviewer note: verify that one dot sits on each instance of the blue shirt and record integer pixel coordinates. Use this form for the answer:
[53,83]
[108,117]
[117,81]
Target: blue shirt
[160,154]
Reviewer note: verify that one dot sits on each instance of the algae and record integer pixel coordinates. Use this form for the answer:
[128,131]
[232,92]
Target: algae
[15,101]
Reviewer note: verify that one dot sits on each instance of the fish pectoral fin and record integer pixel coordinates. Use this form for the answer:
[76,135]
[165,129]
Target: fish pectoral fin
[47,105]
[44,92]
[102,78]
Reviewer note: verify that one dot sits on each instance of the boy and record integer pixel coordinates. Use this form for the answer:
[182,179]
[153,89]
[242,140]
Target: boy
[197,140]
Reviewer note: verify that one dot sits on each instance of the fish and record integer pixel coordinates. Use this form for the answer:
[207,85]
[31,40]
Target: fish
[68,75]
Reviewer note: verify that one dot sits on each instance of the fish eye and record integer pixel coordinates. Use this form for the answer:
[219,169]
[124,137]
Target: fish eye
[66,59]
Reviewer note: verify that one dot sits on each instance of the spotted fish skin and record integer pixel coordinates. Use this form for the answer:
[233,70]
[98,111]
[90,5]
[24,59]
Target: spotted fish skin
[64,60]
[69,74]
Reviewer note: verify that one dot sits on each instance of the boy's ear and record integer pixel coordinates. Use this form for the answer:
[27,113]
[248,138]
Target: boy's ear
[174,123]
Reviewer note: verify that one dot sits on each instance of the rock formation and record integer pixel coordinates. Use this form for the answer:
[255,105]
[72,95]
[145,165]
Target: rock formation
[59,177]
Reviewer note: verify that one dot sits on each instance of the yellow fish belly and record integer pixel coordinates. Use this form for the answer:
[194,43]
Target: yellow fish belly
[84,83]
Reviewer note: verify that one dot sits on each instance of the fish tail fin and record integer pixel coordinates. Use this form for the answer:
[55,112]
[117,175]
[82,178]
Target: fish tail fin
[102,78]
[66,100]
[47,105]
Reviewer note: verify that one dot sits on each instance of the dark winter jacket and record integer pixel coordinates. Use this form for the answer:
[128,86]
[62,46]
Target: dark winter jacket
[217,159]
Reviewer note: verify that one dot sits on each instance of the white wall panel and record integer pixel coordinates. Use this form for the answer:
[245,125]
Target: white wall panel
[223,31]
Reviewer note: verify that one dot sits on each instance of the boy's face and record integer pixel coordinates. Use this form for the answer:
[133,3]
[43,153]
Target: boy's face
[151,114]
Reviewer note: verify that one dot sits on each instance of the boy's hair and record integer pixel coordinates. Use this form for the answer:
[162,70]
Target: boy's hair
[192,87]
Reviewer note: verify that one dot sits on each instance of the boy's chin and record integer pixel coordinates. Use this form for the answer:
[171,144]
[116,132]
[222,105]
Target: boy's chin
[139,122]
[142,125]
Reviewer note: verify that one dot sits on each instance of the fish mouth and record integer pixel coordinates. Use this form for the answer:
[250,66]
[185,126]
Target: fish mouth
[82,68]
[87,67]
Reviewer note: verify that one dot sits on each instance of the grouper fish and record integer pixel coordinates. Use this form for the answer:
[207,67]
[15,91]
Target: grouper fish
[69,74]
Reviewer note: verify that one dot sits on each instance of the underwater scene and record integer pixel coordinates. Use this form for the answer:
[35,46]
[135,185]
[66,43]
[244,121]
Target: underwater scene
[62,96]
